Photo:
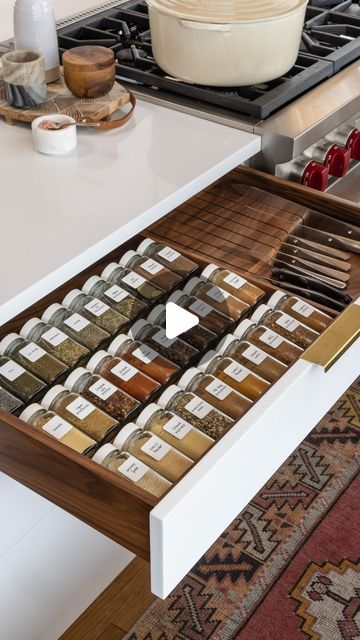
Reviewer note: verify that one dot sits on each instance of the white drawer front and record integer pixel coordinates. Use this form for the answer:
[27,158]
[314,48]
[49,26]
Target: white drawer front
[200,507]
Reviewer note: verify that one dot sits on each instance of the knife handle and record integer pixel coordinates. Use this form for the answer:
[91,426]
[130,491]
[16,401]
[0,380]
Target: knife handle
[319,258]
[307,282]
[313,266]
[316,276]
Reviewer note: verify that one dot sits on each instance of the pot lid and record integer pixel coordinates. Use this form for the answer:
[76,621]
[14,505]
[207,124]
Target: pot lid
[222,11]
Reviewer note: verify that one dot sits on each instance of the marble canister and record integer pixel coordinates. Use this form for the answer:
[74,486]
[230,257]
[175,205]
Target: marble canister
[24,78]
[51,141]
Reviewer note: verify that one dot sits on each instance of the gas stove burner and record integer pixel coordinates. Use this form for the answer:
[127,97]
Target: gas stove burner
[136,56]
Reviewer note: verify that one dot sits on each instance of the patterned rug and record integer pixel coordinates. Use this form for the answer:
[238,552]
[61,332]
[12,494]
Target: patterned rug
[288,567]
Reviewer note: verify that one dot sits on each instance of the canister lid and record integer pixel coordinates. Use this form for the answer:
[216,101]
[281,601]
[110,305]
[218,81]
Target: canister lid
[155,314]
[259,313]
[28,327]
[88,58]
[115,345]
[90,283]
[168,395]
[51,395]
[96,359]
[188,377]
[30,411]
[225,343]
[137,328]
[103,452]
[50,312]
[190,286]
[276,298]
[205,361]
[209,270]
[242,328]
[144,245]
[126,258]
[124,434]
[7,342]
[109,270]
[73,378]
[228,11]
[71,296]
[176,297]
[147,413]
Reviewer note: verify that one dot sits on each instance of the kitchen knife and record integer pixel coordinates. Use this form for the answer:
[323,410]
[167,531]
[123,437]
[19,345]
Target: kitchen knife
[313,266]
[299,279]
[308,233]
[319,248]
[330,225]
[309,294]
[319,258]
[293,266]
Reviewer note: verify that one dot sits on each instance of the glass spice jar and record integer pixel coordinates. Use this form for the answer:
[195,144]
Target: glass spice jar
[79,412]
[144,358]
[96,311]
[129,467]
[153,451]
[233,283]
[198,337]
[102,394]
[9,403]
[220,299]
[54,341]
[116,297]
[58,428]
[19,381]
[33,358]
[177,432]
[198,412]
[124,376]
[168,257]
[300,310]
[152,270]
[269,341]
[174,349]
[76,326]
[285,325]
[216,392]
[234,374]
[128,279]
[208,316]
[252,357]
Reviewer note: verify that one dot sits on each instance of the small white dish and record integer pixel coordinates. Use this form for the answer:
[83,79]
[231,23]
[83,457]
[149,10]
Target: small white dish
[54,141]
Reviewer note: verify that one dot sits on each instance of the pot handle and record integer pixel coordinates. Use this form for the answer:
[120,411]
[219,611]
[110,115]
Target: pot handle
[205,26]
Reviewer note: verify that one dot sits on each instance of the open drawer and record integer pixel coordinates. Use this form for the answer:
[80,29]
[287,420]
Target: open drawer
[173,533]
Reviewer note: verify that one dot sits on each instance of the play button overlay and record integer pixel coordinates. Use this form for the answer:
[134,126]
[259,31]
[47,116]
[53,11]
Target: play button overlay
[178,320]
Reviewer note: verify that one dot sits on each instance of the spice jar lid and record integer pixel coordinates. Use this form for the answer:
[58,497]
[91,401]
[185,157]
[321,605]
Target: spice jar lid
[147,413]
[73,378]
[115,345]
[124,434]
[259,313]
[50,312]
[209,270]
[225,343]
[156,313]
[109,270]
[103,452]
[137,328]
[242,328]
[276,298]
[127,257]
[190,286]
[188,377]
[29,325]
[51,395]
[96,359]
[176,296]
[205,361]
[30,411]
[168,395]
[144,245]
[90,283]
[7,342]
[71,296]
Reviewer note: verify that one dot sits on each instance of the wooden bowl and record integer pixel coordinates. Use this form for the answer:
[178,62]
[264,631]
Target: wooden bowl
[89,71]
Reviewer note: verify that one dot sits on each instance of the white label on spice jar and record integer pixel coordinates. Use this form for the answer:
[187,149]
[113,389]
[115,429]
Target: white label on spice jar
[160,338]
[271,338]
[151,266]
[77,322]
[177,427]
[57,427]
[303,309]
[219,389]
[218,294]
[145,354]
[103,389]
[169,254]
[237,371]
[133,469]
[133,280]
[54,336]
[199,408]
[32,352]
[11,371]
[201,308]
[96,307]
[116,293]
[80,408]
[234,280]
[255,355]
[287,322]
[156,448]
[124,371]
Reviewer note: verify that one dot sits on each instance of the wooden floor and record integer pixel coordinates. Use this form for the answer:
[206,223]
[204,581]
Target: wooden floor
[116,610]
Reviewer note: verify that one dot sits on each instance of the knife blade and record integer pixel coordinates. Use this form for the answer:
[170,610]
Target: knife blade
[313,266]
[319,258]
[319,248]
[291,264]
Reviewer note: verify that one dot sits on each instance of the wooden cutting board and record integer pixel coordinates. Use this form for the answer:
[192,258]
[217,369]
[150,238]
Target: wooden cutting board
[61,101]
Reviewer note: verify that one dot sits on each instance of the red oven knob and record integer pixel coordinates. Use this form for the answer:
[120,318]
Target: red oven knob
[315,176]
[353,144]
[337,160]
